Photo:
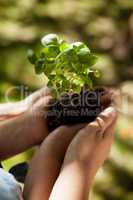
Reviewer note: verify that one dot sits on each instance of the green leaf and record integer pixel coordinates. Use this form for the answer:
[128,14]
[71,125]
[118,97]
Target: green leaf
[39,66]
[51,51]
[84,55]
[63,45]
[70,55]
[78,45]
[67,66]
[78,81]
[31,56]
[42,55]
[50,39]
[49,69]
[92,60]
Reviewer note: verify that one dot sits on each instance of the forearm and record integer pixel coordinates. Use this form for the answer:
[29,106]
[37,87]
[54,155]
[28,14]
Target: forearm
[72,183]
[46,164]
[44,170]
[17,135]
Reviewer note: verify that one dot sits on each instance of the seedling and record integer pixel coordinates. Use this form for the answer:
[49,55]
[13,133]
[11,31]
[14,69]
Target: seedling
[68,67]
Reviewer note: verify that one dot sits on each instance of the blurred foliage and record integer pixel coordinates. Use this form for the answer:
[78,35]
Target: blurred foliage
[107,27]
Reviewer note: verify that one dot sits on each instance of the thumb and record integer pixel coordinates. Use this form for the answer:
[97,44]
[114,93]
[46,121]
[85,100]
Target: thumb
[106,118]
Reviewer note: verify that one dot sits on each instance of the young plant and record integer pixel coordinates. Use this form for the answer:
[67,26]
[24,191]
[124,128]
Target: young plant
[68,67]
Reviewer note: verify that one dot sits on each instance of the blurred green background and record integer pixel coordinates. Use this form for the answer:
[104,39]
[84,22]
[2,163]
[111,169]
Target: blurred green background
[107,27]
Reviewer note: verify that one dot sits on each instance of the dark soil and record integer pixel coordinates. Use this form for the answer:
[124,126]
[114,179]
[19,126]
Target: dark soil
[72,108]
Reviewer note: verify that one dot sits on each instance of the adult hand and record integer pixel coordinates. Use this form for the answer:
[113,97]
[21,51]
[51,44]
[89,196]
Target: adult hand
[10,110]
[46,164]
[87,148]
[25,129]
[86,153]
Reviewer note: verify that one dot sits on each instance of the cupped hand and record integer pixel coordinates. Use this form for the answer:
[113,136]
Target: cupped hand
[92,138]
[83,145]
[27,128]
[36,113]
[46,163]
[84,156]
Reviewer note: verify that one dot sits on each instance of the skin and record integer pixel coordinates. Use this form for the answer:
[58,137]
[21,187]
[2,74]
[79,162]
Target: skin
[23,122]
[46,164]
[67,161]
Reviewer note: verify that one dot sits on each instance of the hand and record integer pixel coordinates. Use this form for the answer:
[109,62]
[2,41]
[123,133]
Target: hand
[38,104]
[86,153]
[27,128]
[46,164]
[9,110]
[86,145]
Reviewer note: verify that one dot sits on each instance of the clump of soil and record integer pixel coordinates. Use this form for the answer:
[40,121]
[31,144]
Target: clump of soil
[72,108]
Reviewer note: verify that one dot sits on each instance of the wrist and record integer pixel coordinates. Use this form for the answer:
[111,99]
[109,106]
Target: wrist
[82,166]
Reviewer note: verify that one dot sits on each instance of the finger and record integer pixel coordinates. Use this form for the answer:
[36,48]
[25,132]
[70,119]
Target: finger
[42,106]
[108,139]
[110,131]
[47,163]
[60,139]
[98,126]
[105,118]
[39,94]
[44,102]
